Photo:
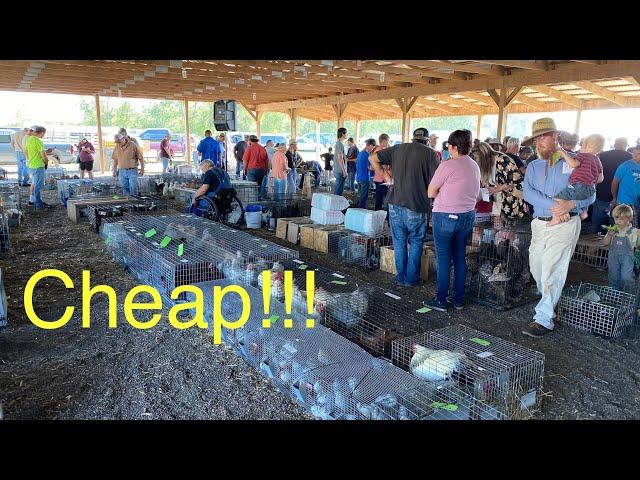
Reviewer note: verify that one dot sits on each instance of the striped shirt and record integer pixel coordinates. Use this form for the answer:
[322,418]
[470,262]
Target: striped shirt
[588,171]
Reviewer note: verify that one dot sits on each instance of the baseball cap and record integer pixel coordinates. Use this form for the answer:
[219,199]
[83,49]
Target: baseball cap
[420,133]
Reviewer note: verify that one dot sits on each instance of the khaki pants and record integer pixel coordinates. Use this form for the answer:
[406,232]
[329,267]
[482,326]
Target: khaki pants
[549,256]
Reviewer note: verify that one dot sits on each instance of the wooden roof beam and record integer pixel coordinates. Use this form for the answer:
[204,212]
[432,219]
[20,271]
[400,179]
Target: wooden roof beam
[603,92]
[523,64]
[557,94]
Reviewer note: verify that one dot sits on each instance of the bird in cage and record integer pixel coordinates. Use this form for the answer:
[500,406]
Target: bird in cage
[435,365]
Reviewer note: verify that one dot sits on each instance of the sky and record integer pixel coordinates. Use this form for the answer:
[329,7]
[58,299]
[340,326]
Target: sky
[49,109]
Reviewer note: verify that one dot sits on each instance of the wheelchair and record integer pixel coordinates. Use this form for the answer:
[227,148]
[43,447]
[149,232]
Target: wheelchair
[225,207]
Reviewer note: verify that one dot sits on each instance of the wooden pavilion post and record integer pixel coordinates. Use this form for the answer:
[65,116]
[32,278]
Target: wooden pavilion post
[187,152]
[100,142]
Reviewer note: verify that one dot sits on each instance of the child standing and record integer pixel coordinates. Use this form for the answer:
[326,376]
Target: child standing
[622,239]
[587,171]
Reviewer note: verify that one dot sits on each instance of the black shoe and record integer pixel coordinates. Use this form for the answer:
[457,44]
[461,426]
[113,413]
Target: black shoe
[451,301]
[435,305]
[31,204]
[25,184]
[46,205]
[535,330]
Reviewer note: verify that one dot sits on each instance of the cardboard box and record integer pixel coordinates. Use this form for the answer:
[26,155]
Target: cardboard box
[293,229]
[427,263]
[307,235]
[322,235]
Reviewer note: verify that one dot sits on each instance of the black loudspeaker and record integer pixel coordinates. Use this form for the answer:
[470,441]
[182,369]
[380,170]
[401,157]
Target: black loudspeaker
[224,115]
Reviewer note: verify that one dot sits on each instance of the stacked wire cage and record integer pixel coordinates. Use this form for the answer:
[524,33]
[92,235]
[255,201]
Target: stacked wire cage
[285,205]
[162,256]
[130,205]
[246,191]
[55,172]
[506,376]
[68,189]
[590,251]
[11,202]
[3,302]
[498,266]
[598,309]
[5,241]
[327,374]
[360,249]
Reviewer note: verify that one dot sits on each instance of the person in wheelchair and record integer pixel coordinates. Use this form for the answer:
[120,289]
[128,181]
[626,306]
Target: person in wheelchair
[214,180]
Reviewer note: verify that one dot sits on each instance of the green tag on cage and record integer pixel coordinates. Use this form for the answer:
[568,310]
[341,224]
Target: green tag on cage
[423,310]
[264,245]
[165,241]
[338,282]
[108,240]
[480,341]
[302,267]
[450,407]
[180,249]
[150,233]
[274,318]
[116,197]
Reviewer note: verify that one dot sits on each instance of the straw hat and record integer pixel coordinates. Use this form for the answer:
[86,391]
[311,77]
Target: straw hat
[540,127]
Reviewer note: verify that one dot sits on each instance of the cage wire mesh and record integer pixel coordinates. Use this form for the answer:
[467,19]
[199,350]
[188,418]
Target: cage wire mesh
[11,203]
[284,205]
[3,302]
[246,191]
[130,205]
[359,249]
[160,255]
[55,172]
[503,375]
[68,189]
[590,251]
[598,309]
[5,242]
[498,266]
[229,242]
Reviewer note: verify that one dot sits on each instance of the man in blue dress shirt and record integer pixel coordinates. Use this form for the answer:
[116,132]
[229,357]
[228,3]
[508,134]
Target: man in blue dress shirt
[551,247]
[209,149]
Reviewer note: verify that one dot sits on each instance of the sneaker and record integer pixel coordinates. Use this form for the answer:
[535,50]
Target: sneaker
[535,330]
[31,204]
[451,301]
[435,305]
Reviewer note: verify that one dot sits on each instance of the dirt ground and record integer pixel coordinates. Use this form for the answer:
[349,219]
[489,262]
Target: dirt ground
[97,373]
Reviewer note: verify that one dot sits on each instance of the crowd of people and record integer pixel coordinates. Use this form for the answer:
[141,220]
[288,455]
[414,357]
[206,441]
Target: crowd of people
[552,178]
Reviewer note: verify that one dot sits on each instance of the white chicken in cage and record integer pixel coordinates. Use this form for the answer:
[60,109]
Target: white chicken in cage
[436,365]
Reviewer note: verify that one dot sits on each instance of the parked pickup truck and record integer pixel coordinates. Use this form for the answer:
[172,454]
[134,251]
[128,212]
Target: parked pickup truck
[66,151]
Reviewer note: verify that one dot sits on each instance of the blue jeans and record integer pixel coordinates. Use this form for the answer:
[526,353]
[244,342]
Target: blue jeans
[37,175]
[364,186]
[292,176]
[165,164]
[351,181]
[256,175]
[279,187]
[600,216]
[339,183]
[128,180]
[450,233]
[407,226]
[381,192]
[23,170]
[265,184]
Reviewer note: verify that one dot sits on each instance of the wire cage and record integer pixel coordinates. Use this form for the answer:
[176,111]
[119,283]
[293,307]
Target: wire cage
[55,172]
[160,255]
[506,376]
[5,242]
[598,309]
[3,302]
[229,241]
[498,267]
[133,204]
[359,249]
[11,202]
[284,205]
[86,188]
[246,191]
[590,251]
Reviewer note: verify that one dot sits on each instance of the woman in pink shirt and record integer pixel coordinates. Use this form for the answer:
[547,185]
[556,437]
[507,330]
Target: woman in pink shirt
[455,187]
[279,169]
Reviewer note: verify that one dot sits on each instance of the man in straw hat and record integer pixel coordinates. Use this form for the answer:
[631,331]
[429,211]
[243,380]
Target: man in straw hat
[551,247]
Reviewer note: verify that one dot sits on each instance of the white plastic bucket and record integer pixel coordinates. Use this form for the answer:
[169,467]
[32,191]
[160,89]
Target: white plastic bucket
[253,216]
